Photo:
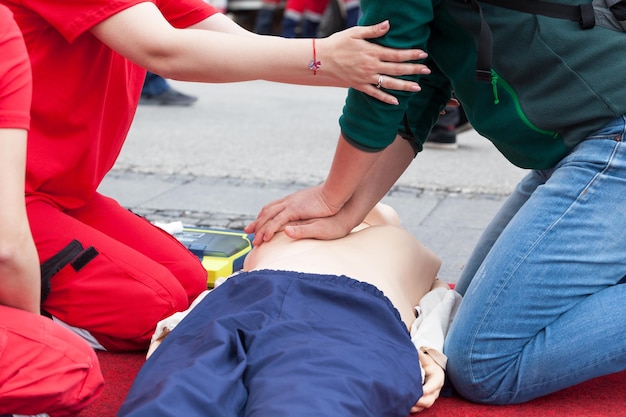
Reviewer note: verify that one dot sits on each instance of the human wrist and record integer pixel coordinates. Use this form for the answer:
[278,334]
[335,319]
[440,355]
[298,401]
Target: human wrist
[333,196]
[438,357]
[314,64]
[323,56]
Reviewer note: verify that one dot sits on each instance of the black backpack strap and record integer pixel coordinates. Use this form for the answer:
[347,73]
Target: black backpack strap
[485,46]
[582,13]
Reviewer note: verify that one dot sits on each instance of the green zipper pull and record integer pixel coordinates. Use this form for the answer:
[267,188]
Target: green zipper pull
[494,84]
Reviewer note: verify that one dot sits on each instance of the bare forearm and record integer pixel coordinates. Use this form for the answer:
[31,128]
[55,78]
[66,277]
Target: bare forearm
[378,180]
[19,265]
[265,58]
[350,165]
[216,50]
[305,223]
[258,57]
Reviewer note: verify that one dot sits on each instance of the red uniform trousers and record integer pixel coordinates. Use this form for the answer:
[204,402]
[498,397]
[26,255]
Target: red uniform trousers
[300,6]
[120,274]
[316,6]
[308,12]
[44,368]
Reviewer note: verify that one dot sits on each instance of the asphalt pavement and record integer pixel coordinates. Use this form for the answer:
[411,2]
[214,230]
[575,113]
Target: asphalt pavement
[243,145]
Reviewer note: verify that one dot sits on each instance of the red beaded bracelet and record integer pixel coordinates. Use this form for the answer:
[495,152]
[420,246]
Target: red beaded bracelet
[314,64]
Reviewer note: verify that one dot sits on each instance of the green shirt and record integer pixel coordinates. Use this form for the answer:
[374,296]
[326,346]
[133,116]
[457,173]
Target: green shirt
[553,82]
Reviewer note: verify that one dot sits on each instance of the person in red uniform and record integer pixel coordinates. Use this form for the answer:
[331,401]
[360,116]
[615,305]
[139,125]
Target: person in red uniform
[43,366]
[307,13]
[111,274]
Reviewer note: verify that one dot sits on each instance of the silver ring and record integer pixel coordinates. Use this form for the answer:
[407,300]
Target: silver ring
[380,81]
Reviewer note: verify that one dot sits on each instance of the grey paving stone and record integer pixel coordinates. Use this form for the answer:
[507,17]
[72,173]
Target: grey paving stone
[447,223]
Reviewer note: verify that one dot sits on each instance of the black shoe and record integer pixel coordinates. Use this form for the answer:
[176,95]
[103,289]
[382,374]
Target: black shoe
[463,124]
[169,97]
[442,138]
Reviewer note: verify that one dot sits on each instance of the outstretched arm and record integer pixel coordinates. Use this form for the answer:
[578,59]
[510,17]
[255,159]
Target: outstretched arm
[218,51]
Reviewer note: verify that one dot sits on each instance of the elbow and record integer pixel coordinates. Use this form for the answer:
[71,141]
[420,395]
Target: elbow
[9,252]
[16,247]
[165,56]
[161,65]
[165,66]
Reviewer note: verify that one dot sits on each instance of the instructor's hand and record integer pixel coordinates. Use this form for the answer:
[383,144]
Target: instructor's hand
[360,64]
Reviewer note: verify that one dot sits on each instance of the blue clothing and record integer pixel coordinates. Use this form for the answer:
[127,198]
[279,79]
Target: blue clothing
[154,84]
[276,343]
[543,306]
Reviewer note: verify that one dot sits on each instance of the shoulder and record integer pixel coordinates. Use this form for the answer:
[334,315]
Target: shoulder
[15,74]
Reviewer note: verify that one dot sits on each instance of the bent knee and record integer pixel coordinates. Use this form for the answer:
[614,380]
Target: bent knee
[58,372]
[484,381]
[88,386]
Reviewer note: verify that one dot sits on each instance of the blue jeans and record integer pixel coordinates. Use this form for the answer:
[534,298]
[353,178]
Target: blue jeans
[542,308]
[154,84]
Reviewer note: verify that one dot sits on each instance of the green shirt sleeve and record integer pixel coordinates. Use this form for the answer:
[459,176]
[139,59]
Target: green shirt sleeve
[369,123]
[425,107]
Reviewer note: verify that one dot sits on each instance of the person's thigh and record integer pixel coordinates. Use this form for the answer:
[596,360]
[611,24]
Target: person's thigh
[540,314]
[518,197]
[44,368]
[102,284]
[106,215]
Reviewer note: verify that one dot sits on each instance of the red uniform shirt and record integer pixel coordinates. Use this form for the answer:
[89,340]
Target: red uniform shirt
[15,78]
[84,94]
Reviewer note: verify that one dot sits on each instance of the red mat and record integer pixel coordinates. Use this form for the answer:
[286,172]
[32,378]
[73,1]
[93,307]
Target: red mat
[600,397]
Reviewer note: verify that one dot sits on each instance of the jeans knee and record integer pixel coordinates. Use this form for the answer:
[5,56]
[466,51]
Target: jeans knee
[479,379]
[483,380]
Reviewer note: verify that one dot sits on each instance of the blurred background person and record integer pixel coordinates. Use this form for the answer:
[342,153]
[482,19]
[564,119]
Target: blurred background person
[302,18]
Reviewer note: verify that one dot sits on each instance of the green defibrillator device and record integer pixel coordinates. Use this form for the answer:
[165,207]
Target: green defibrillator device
[221,251]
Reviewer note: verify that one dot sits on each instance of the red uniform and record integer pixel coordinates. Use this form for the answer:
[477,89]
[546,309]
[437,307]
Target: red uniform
[43,367]
[302,17]
[15,79]
[314,6]
[117,274]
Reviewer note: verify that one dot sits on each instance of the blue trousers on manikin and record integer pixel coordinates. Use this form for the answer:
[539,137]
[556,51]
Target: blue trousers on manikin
[279,344]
